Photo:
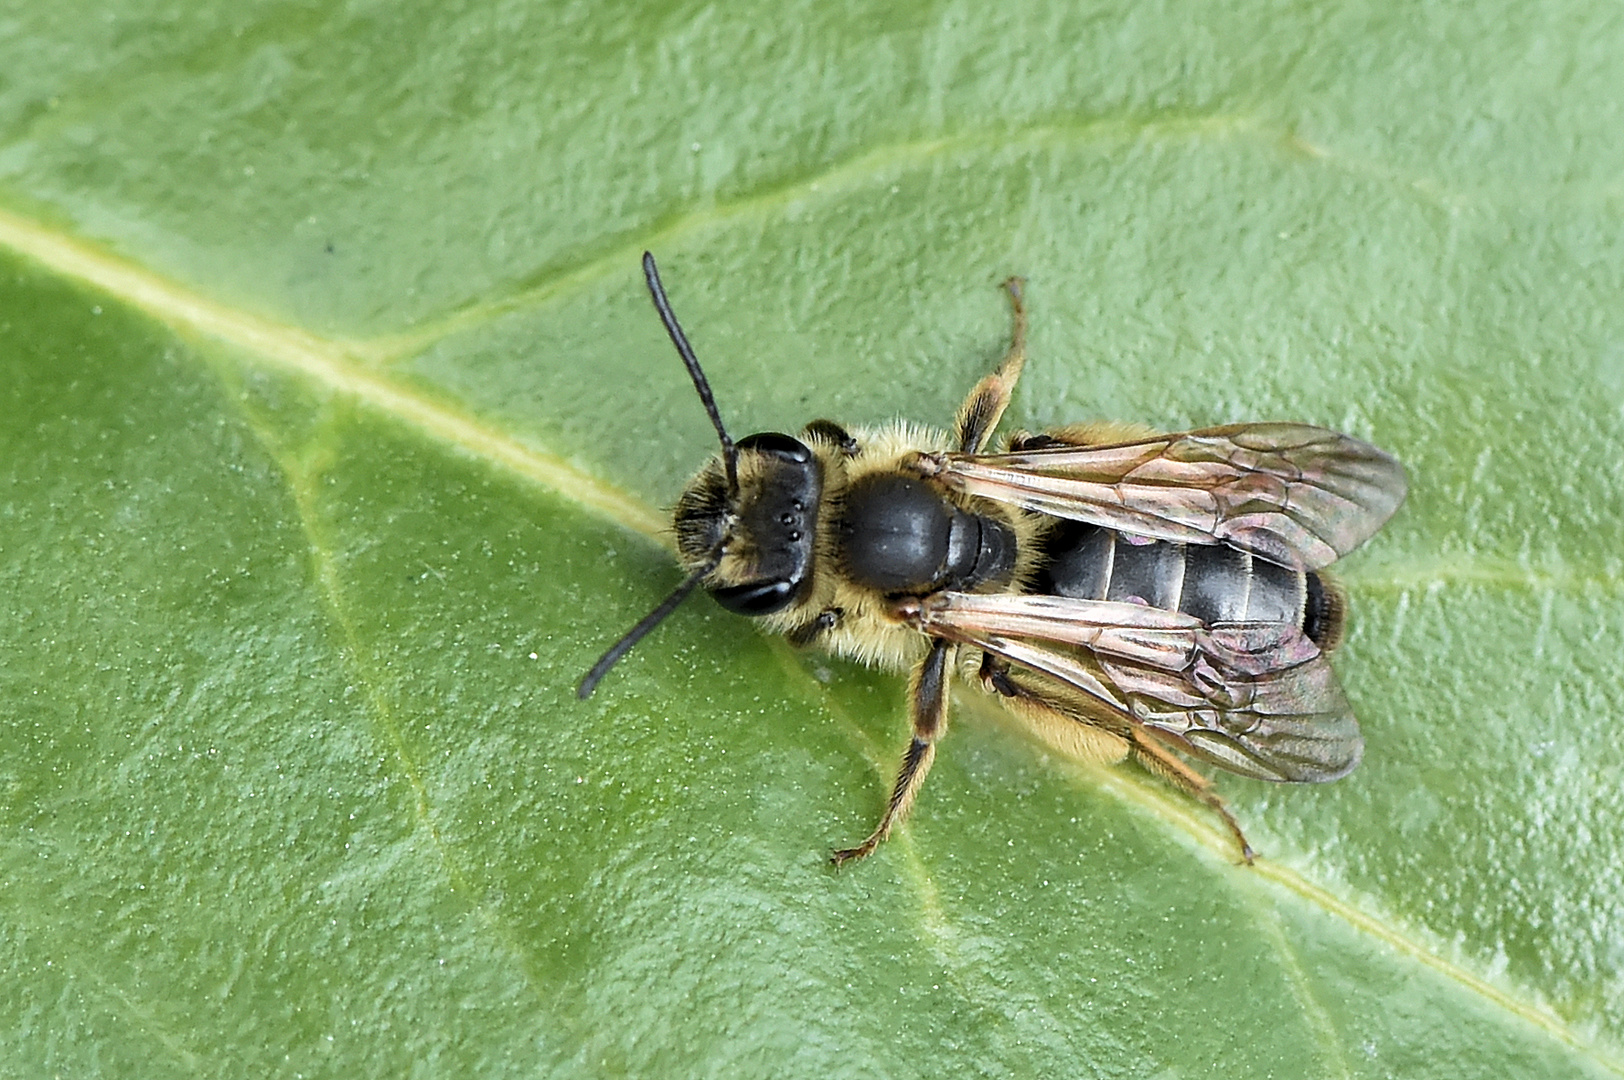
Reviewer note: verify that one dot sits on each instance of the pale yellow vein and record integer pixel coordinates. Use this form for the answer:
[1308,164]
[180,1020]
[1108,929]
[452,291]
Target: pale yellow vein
[301,475]
[853,174]
[327,363]
[1302,989]
[1186,815]
[147,1021]
[1533,1015]
[1496,573]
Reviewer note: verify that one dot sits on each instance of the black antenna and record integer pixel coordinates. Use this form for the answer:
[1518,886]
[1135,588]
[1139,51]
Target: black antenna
[640,631]
[730,456]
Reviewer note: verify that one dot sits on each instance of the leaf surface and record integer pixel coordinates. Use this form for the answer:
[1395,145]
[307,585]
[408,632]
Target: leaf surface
[335,428]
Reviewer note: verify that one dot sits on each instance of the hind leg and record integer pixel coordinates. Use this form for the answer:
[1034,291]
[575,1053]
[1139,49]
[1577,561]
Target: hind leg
[1099,738]
[1164,763]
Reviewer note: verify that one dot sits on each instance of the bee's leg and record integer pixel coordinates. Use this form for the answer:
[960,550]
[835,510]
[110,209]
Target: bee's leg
[1023,441]
[1076,735]
[927,701]
[833,432]
[982,409]
[807,633]
[1162,761]
[994,675]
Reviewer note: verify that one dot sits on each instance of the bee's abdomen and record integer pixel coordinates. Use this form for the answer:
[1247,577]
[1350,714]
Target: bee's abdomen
[1213,582]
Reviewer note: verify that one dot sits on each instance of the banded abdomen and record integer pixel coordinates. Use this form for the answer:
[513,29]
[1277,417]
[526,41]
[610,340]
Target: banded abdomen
[1213,582]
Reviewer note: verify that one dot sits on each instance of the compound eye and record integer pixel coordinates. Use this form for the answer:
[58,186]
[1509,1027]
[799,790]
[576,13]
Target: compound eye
[771,442]
[756,597]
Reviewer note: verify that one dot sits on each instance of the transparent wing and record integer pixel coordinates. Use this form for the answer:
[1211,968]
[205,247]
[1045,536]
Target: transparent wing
[1258,699]
[1297,495]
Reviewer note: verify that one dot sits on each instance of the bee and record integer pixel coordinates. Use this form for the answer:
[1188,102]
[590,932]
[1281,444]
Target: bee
[1125,593]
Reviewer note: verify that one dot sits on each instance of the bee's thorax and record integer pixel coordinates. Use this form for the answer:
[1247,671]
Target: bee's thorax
[899,536]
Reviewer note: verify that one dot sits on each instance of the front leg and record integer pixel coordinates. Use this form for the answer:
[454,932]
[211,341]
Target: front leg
[927,703]
[834,433]
[984,407]
[808,633]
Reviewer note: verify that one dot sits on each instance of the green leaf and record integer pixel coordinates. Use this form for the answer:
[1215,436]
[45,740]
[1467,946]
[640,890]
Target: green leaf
[334,428]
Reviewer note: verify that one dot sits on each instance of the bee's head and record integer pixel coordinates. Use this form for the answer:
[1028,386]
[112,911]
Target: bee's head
[745,525]
[762,524]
